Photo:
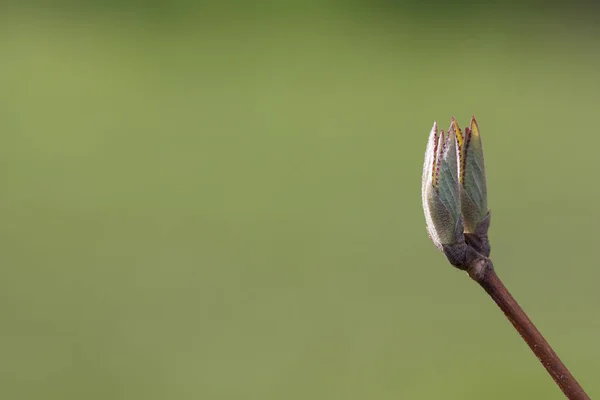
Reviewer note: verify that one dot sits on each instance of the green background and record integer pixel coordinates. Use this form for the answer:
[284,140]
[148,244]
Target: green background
[223,201]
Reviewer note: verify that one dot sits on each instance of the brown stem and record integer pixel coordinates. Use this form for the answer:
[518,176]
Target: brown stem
[484,274]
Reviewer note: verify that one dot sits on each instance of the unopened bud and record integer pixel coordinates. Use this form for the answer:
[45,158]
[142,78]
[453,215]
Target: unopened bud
[454,193]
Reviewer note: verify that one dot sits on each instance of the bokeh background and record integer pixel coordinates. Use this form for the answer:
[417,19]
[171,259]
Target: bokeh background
[222,200]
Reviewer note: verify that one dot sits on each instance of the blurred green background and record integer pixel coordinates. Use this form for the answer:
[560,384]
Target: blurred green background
[222,201]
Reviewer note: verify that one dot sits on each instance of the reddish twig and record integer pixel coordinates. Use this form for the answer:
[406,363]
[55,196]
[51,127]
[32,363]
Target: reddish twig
[484,274]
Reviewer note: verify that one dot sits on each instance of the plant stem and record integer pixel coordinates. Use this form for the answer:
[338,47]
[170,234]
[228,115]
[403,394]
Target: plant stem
[484,274]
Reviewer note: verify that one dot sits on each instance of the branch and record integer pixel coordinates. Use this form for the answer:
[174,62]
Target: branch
[484,274]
